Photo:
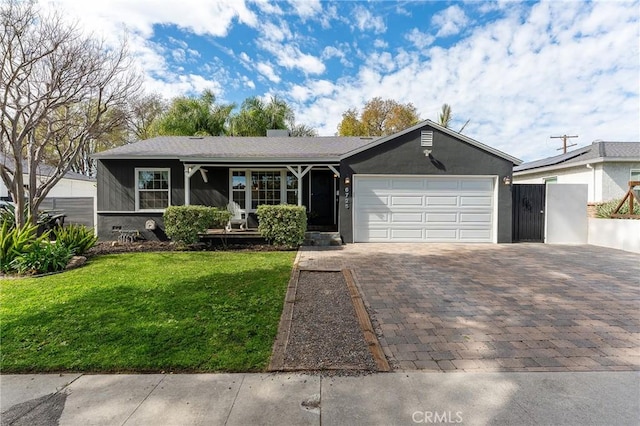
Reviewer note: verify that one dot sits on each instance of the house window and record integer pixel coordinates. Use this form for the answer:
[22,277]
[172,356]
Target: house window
[552,179]
[292,189]
[153,189]
[252,188]
[238,188]
[265,188]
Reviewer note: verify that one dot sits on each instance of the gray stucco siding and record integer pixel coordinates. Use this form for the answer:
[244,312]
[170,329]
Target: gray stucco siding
[405,156]
[615,179]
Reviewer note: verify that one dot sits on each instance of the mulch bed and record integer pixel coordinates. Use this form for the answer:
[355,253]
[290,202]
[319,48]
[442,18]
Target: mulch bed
[325,333]
[113,247]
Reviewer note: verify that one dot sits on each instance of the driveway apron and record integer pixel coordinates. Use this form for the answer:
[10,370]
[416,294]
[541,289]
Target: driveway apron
[505,307]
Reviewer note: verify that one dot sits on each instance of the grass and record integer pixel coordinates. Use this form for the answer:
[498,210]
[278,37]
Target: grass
[146,312]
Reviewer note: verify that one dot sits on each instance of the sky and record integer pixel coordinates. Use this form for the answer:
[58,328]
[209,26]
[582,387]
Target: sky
[521,72]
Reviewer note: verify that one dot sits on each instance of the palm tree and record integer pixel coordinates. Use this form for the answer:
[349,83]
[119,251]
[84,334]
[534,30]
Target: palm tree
[445,115]
[256,116]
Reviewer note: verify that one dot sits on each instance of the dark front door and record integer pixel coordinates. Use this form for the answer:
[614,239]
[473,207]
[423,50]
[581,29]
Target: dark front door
[323,199]
[528,212]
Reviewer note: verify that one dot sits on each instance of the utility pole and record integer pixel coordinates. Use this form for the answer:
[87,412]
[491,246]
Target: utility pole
[564,142]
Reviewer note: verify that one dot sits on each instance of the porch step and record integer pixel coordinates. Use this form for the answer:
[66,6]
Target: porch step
[314,238]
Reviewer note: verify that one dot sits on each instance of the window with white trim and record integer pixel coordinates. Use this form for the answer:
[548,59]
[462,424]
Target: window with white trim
[292,189]
[252,188]
[239,188]
[153,188]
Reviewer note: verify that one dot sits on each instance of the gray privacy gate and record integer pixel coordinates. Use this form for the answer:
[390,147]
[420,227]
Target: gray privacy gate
[78,210]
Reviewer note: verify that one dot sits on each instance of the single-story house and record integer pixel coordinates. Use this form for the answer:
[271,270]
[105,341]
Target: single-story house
[74,194]
[606,167]
[425,183]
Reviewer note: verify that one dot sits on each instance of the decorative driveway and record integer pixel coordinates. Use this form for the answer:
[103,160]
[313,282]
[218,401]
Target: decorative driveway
[505,307]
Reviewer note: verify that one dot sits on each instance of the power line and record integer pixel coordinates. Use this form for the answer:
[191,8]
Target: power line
[564,142]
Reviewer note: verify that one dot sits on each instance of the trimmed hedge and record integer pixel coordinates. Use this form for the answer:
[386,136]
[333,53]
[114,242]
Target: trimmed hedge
[282,225]
[183,223]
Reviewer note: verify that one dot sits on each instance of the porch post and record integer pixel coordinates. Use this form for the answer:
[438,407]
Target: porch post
[299,174]
[299,185]
[188,172]
[187,186]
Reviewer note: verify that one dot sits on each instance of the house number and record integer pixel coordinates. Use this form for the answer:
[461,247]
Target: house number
[347,199]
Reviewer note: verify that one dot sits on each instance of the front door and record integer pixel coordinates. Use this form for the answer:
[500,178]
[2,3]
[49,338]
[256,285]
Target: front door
[528,212]
[322,199]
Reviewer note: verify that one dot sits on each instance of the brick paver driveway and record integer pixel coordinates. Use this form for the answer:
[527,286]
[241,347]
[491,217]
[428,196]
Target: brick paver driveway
[507,307]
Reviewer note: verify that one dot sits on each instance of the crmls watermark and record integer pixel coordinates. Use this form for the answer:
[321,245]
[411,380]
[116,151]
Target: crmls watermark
[437,417]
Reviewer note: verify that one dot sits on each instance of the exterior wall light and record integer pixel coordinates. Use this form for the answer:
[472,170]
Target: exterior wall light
[347,181]
[506,180]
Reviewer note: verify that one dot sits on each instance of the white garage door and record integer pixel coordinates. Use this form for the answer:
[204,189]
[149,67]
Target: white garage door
[423,209]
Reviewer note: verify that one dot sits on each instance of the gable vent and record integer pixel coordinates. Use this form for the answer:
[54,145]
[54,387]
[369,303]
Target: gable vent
[426,138]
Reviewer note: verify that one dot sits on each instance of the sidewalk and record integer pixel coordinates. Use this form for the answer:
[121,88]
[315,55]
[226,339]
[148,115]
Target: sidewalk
[585,398]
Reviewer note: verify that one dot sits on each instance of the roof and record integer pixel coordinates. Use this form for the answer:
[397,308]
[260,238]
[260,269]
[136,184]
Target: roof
[43,169]
[231,147]
[598,151]
[442,129]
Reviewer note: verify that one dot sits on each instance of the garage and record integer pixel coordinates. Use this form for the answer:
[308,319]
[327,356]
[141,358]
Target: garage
[410,208]
[426,184]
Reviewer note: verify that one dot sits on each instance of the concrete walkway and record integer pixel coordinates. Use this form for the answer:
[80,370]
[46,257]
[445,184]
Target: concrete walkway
[497,307]
[598,398]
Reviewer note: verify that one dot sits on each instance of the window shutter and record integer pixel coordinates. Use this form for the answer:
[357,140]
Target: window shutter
[426,138]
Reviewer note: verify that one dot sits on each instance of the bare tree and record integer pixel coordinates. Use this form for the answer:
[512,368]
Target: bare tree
[57,87]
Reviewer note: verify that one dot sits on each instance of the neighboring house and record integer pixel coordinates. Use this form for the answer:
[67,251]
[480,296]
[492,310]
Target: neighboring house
[426,183]
[74,194]
[606,167]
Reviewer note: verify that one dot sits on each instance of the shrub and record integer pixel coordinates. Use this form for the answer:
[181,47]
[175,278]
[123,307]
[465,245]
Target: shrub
[78,238]
[184,223]
[42,257]
[605,210]
[283,225]
[16,241]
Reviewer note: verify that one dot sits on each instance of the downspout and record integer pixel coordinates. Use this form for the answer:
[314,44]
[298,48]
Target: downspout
[593,182]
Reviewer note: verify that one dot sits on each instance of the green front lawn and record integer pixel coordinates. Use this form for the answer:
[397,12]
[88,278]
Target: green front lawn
[146,312]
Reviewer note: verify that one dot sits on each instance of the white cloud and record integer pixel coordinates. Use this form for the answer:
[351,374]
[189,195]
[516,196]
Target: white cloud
[366,21]
[275,32]
[269,8]
[419,39]
[248,82]
[380,44]
[289,56]
[449,21]
[267,70]
[333,52]
[306,8]
[213,18]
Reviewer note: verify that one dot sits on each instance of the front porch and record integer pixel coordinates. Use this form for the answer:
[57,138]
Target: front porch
[252,236]
[314,186]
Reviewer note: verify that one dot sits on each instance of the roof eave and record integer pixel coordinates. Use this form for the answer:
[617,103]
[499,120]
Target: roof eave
[212,160]
[562,166]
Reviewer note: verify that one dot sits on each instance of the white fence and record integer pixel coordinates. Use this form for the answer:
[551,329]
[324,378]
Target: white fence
[623,234]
